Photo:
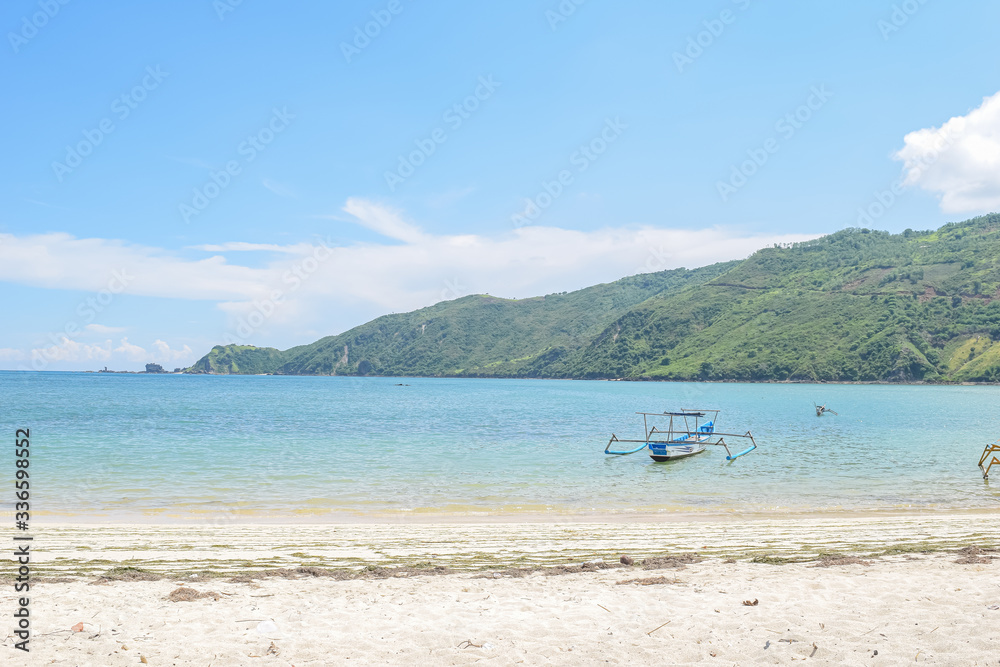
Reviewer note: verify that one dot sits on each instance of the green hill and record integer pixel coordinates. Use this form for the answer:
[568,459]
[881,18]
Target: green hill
[238,360]
[475,336]
[856,305]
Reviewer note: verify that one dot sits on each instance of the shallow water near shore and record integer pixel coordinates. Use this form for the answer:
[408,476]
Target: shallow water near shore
[173,445]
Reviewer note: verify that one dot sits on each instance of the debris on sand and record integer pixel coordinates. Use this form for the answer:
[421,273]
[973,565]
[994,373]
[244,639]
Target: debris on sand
[834,561]
[651,581]
[664,562]
[974,556]
[127,574]
[183,594]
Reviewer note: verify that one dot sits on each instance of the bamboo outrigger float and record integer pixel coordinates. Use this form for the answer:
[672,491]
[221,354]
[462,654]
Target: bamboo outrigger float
[990,449]
[687,433]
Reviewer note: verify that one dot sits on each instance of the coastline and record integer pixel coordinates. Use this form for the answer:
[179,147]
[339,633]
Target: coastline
[324,517]
[902,383]
[217,546]
[891,383]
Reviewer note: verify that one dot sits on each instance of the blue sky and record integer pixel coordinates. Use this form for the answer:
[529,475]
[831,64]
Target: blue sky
[178,175]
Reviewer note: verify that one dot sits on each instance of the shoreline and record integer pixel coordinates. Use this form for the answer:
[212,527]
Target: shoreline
[228,547]
[435,517]
[890,383]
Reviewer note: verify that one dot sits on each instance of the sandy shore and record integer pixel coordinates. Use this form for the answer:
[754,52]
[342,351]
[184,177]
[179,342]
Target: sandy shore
[221,546]
[501,602]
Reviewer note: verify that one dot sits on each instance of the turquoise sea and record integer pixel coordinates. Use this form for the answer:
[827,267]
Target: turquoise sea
[132,446]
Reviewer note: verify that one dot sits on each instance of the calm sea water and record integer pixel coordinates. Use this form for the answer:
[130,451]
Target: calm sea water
[119,445]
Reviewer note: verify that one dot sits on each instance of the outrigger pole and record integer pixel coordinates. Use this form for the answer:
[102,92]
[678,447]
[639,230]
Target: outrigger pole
[672,434]
[729,454]
[721,443]
[614,438]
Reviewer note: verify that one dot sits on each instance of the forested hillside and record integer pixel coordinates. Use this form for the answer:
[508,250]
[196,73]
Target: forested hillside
[858,305]
[474,335]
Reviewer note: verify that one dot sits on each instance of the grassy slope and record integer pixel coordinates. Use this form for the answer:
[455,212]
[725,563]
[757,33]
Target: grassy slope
[238,359]
[855,305]
[472,336]
[486,336]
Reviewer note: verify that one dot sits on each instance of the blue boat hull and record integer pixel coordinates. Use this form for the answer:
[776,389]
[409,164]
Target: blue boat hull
[664,452]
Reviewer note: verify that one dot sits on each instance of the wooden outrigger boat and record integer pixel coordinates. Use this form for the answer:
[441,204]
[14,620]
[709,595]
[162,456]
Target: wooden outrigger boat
[687,433]
[989,453]
[821,409]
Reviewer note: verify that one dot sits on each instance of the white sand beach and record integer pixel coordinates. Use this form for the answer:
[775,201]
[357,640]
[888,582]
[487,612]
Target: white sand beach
[911,598]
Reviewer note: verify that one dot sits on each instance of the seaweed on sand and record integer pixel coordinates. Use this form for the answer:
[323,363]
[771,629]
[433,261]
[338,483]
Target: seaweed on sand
[127,573]
[973,555]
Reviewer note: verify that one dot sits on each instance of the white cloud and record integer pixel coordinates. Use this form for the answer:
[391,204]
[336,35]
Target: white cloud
[101,329]
[960,161]
[356,283]
[71,350]
[383,220]
[310,286]
[163,354]
[131,352]
[160,353]
[80,354]
[60,261]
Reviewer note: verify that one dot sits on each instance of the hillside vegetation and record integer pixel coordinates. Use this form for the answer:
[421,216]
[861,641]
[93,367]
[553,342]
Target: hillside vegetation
[474,335]
[857,305]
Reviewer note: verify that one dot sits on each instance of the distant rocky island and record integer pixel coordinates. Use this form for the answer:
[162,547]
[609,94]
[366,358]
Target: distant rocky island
[150,368]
